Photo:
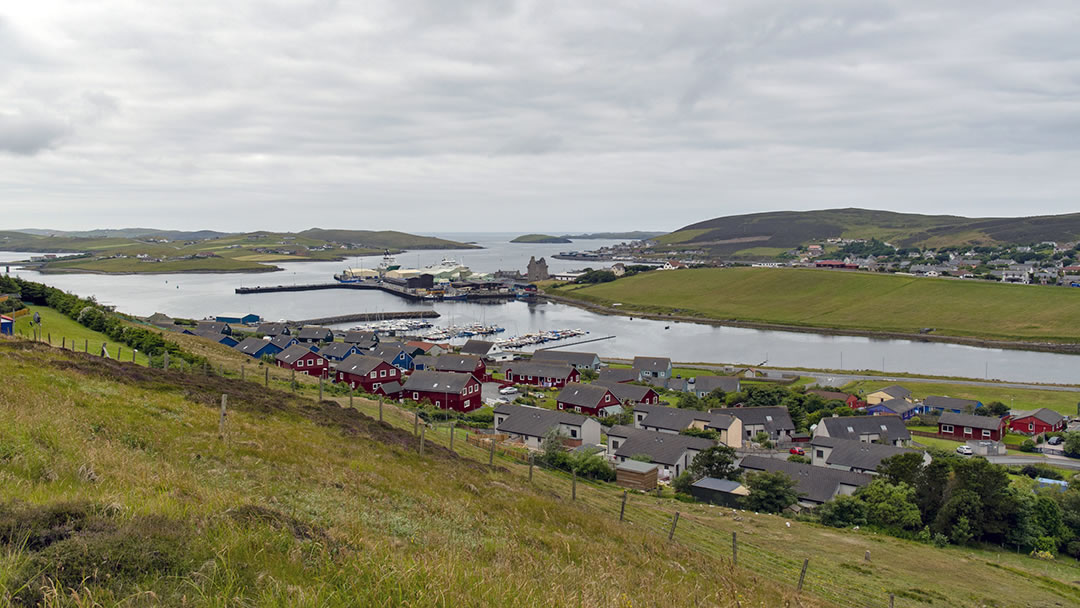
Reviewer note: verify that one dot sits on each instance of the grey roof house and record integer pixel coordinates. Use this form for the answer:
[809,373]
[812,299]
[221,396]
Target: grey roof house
[773,420]
[532,424]
[815,485]
[853,455]
[673,453]
[578,360]
[881,429]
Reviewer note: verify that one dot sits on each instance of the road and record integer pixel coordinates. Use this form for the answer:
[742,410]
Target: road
[1057,461]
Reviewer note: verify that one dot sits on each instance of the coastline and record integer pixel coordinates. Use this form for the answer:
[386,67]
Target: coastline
[1048,347]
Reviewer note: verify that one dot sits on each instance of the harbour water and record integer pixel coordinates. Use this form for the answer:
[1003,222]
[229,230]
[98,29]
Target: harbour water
[199,295]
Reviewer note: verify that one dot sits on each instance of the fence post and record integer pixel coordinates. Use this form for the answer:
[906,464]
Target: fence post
[221,420]
[802,574]
[63,341]
[119,351]
[415,422]
[166,362]
[573,484]
[422,431]
[134,352]
[266,377]
[50,338]
[292,381]
[243,369]
[734,549]
[380,409]
[491,454]
[892,599]
[622,509]
[674,522]
[531,456]
[320,388]
[351,393]
[86,345]
[452,435]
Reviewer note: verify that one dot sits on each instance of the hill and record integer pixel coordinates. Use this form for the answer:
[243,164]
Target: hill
[826,299]
[783,230]
[636,235]
[540,238]
[131,233]
[385,239]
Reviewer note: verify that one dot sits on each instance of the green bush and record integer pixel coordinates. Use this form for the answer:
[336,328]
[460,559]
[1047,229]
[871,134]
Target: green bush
[1027,445]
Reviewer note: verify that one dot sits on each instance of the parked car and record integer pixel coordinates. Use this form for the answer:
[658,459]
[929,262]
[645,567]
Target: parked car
[508,390]
[964,450]
[1055,440]
[799,451]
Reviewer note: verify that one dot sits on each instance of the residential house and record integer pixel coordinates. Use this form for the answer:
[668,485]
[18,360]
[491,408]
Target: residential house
[479,348]
[314,335]
[672,453]
[969,426]
[591,399]
[703,385]
[367,372]
[162,320]
[617,374]
[852,455]
[422,362]
[337,351]
[532,424]
[395,353]
[283,341]
[220,338]
[894,407]
[673,420]
[446,390]
[364,340]
[815,485]
[304,360]
[1037,422]
[939,405]
[429,348]
[577,360]
[652,367]
[773,420]
[631,393]
[541,373]
[213,327]
[850,400]
[868,429]
[257,347]
[273,329]
[889,392]
[461,364]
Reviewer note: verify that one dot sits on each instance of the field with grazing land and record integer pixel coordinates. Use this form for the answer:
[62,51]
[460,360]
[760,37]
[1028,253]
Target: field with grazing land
[118,488]
[1063,402]
[841,300]
[64,331]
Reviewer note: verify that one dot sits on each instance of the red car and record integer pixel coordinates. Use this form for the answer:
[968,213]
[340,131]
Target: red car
[798,451]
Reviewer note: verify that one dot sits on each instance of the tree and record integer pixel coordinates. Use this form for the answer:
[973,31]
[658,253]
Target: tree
[763,438]
[1072,443]
[690,401]
[930,487]
[682,483]
[718,462]
[901,468]
[996,409]
[890,506]
[958,518]
[843,512]
[770,492]
[995,503]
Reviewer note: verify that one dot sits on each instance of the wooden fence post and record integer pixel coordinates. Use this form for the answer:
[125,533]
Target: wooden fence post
[221,420]
[243,369]
[380,409]
[165,364]
[674,522]
[734,549]
[491,454]
[892,600]
[63,342]
[320,388]
[119,351]
[292,381]
[266,377]
[86,345]
[802,574]
[622,509]
[452,435]
[50,338]
[531,458]
[573,484]
[423,429]
[351,393]
[415,422]
[134,352]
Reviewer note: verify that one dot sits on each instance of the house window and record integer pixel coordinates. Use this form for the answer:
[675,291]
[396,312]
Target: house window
[416,396]
[319,361]
[466,403]
[300,363]
[577,409]
[573,433]
[374,374]
[393,372]
[1031,426]
[821,453]
[967,430]
[986,433]
[382,373]
[614,444]
[607,398]
[376,386]
[946,428]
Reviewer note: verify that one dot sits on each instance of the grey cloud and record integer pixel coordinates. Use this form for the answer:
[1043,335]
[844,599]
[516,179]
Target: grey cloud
[25,135]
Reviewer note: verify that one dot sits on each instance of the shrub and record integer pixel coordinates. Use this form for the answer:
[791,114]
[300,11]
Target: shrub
[940,540]
[1027,445]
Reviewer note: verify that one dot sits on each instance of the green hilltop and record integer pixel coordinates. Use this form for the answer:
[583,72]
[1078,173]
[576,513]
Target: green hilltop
[540,238]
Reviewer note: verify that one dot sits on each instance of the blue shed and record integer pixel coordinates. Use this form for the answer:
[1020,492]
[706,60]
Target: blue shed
[7,326]
[248,319]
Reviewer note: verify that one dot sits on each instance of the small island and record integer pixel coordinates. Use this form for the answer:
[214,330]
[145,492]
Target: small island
[540,238]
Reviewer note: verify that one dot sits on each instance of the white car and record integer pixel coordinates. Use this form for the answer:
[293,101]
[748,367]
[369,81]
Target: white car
[508,390]
[965,450]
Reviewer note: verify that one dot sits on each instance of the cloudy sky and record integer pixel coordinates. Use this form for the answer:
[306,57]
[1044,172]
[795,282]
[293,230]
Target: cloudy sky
[437,115]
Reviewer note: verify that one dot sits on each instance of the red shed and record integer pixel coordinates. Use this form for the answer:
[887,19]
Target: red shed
[1037,422]
[367,372]
[446,390]
[540,373]
[302,359]
[969,426]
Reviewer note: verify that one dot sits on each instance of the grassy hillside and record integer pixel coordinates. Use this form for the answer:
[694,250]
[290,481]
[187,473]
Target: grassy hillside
[787,229]
[540,238]
[119,489]
[825,299]
[63,331]
[385,239]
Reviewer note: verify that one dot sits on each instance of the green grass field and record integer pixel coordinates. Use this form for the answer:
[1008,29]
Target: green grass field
[839,300]
[63,331]
[1018,399]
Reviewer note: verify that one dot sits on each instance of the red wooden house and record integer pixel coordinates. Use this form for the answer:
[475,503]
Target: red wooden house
[367,372]
[446,390]
[304,360]
[461,364]
[591,399]
[963,427]
[539,373]
[1037,422]
[850,400]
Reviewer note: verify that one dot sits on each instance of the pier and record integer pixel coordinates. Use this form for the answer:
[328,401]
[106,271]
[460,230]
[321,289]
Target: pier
[367,317]
[404,292]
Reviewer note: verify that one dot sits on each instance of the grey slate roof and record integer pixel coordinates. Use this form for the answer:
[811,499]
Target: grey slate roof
[540,369]
[814,484]
[576,359]
[362,339]
[213,326]
[291,354]
[857,454]
[728,384]
[315,333]
[773,418]
[335,350]
[456,363]
[584,395]
[626,392]
[250,346]
[479,348]
[851,427]
[359,365]
[976,422]
[829,395]
[209,334]
[663,448]
[282,341]
[718,485]
[1046,415]
[437,382]
[617,374]
[653,364]
[272,329]
[424,361]
[898,406]
[950,403]
[895,391]
[670,418]
[635,466]
[534,421]
[390,388]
